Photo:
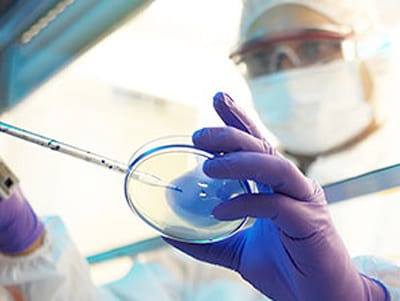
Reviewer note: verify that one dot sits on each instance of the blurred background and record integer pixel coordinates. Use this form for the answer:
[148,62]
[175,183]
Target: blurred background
[150,70]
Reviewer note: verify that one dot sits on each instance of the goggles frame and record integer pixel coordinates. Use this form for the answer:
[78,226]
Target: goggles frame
[341,34]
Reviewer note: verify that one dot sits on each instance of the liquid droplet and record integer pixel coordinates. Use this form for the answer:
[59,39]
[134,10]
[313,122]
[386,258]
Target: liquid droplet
[203,194]
[202,184]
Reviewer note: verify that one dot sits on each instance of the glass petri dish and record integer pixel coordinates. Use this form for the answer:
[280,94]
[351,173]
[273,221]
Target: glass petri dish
[183,214]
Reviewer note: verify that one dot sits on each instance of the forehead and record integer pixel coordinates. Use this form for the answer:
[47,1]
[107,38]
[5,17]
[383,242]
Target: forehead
[287,18]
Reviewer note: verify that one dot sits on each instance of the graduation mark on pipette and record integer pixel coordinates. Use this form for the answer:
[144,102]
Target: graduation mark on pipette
[86,155]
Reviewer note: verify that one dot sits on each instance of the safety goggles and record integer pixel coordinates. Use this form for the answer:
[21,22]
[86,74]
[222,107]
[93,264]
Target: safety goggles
[267,55]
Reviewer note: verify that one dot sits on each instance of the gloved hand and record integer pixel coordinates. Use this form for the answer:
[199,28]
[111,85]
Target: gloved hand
[19,225]
[292,251]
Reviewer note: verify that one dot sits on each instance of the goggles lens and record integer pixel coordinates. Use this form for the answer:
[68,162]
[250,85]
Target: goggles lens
[270,56]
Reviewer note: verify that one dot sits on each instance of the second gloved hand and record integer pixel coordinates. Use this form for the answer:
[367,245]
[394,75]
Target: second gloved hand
[19,225]
[292,251]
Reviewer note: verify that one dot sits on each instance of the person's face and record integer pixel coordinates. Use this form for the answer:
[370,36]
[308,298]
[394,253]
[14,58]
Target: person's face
[294,37]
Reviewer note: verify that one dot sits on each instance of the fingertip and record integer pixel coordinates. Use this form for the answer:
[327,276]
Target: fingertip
[207,137]
[219,96]
[218,101]
[196,135]
[209,167]
[222,98]
[199,136]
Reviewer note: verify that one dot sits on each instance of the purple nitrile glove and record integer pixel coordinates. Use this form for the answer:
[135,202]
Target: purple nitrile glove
[19,225]
[292,251]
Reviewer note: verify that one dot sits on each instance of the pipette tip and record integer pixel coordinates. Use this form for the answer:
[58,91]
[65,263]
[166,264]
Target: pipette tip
[173,187]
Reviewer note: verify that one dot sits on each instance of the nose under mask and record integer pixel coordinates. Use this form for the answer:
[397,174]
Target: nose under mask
[312,110]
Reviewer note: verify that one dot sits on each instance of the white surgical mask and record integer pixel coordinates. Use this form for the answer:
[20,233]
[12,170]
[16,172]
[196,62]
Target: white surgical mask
[312,110]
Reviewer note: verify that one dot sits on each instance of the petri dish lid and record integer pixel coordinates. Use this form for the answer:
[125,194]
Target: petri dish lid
[185,213]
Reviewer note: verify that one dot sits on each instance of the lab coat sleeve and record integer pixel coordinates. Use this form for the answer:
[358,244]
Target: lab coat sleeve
[54,272]
[57,272]
[384,270]
[169,275]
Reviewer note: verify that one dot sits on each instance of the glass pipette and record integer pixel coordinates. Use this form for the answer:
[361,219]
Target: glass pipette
[82,154]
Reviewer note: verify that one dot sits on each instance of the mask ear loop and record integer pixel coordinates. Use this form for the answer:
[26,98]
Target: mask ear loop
[361,51]
[350,51]
[375,53]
